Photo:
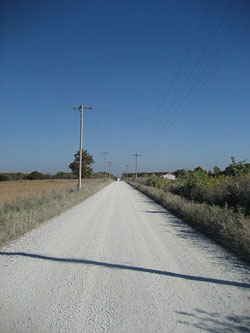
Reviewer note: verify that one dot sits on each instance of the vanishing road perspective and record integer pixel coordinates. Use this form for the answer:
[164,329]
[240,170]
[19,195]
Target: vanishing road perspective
[118,262]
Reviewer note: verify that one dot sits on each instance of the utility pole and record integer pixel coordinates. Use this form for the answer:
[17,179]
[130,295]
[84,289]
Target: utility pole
[105,154]
[81,108]
[136,163]
[127,170]
[109,165]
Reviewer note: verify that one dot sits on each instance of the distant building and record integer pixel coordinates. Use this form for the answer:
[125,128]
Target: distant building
[168,176]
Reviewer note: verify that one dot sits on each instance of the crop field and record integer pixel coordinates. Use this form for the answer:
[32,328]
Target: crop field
[28,203]
[12,191]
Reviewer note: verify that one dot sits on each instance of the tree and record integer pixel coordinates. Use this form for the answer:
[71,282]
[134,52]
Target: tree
[182,173]
[217,170]
[87,160]
[63,175]
[35,175]
[237,168]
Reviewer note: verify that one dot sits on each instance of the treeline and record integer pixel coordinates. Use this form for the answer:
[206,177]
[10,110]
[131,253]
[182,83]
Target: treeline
[86,171]
[36,175]
[233,169]
[143,174]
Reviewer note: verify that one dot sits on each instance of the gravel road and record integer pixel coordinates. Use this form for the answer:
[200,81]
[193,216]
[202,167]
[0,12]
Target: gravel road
[118,262]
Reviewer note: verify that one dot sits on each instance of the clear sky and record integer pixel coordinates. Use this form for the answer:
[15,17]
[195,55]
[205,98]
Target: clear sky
[169,79]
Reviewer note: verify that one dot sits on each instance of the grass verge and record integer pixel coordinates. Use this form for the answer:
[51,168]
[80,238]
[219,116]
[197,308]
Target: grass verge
[23,215]
[223,225]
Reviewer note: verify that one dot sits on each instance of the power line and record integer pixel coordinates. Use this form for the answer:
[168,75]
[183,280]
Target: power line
[194,67]
[212,74]
[59,45]
[178,69]
[164,125]
[61,49]
[210,61]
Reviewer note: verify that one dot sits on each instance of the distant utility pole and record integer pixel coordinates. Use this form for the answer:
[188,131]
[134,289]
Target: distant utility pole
[127,170]
[105,154]
[81,108]
[109,165]
[136,163]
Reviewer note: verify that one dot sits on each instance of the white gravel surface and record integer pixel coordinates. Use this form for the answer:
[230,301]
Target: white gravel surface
[118,262]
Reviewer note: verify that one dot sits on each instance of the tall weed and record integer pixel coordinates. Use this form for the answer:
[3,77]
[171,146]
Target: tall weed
[227,227]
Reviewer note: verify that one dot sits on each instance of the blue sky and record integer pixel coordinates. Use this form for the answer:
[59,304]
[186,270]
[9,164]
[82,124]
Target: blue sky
[168,79]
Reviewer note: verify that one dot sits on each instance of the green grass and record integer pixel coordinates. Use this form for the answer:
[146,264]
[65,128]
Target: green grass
[23,215]
[223,225]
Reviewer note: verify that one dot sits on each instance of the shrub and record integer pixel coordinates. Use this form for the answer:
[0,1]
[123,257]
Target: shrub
[3,178]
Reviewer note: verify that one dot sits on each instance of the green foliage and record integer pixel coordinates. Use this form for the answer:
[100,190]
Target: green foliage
[35,175]
[154,181]
[87,160]
[12,176]
[3,177]
[193,186]
[237,168]
[222,188]
[182,173]
[217,171]
[63,175]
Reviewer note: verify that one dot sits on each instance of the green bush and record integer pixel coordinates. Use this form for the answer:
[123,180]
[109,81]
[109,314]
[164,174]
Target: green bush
[220,188]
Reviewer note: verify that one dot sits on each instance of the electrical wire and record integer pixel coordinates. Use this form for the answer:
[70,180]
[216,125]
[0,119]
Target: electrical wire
[164,125]
[211,75]
[76,78]
[178,69]
[213,56]
[194,67]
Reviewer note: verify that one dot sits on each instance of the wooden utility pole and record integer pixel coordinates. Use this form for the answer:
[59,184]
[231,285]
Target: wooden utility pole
[127,170]
[105,161]
[81,108]
[136,163]
[109,165]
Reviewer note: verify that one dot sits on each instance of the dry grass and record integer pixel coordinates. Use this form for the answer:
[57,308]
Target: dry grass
[223,225]
[12,191]
[20,216]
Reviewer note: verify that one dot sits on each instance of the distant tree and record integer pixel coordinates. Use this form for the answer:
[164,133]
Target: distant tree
[217,171]
[87,160]
[34,175]
[4,177]
[182,173]
[237,168]
[199,169]
[63,175]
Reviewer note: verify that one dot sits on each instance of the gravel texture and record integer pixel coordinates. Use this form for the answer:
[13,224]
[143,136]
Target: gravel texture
[118,262]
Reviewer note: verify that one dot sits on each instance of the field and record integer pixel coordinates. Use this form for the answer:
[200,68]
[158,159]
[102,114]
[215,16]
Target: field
[26,204]
[12,191]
